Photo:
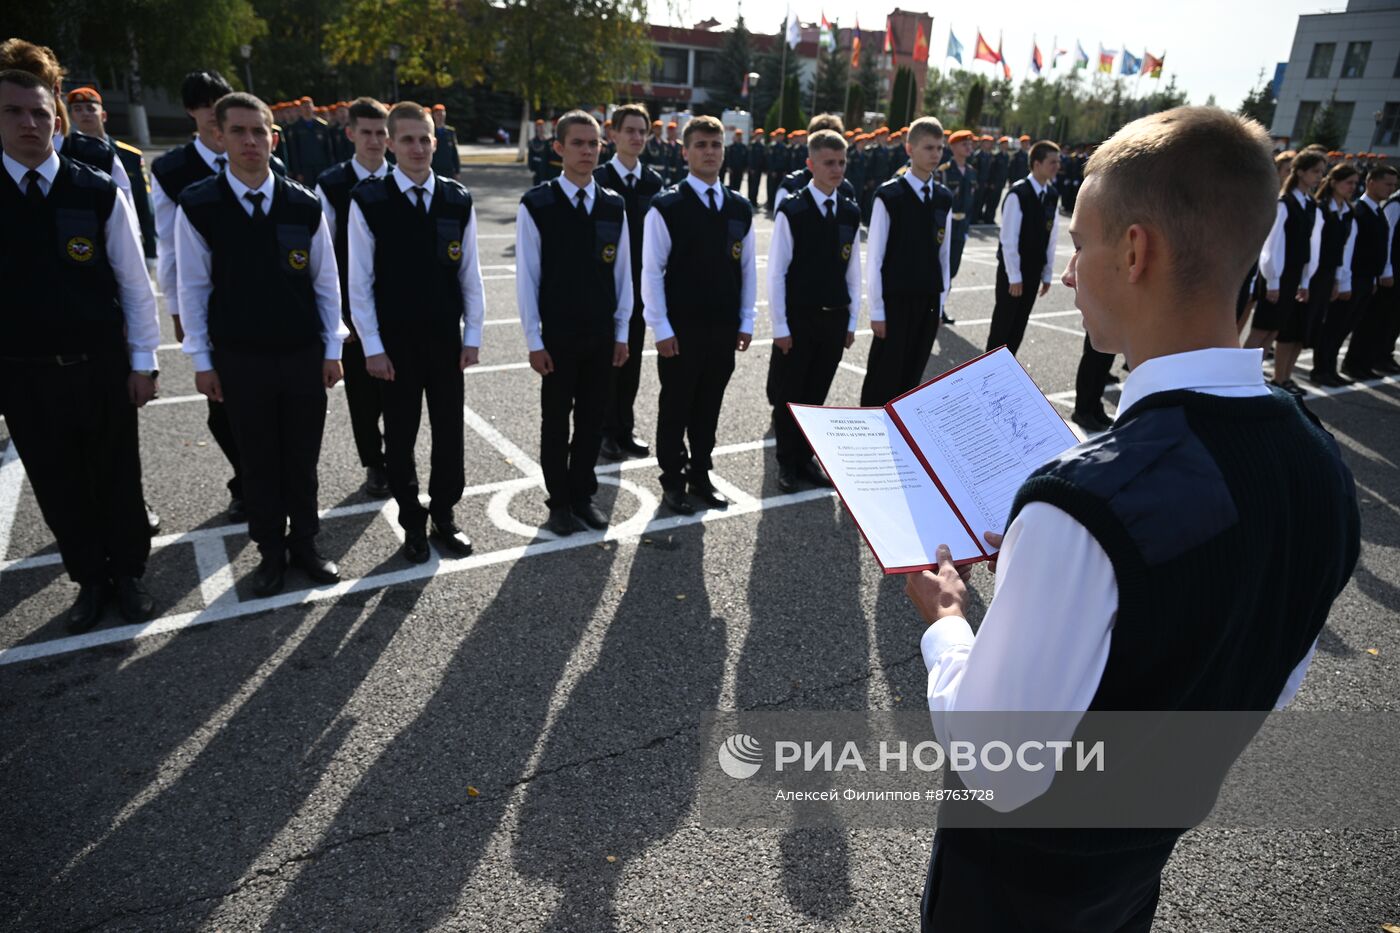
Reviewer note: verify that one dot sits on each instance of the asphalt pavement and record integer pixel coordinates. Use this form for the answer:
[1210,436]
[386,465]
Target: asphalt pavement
[510,741]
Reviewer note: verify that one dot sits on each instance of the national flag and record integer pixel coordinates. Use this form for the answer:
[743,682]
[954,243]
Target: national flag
[794,31]
[827,37]
[744,91]
[855,45]
[1081,57]
[1152,64]
[985,53]
[1056,53]
[889,37]
[955,48]
[1005,68]
[1106,57]
[920,43]
[1131,64]
[1037,63]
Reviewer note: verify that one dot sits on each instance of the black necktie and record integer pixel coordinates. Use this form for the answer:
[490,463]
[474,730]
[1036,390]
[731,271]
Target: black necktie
[219,163]
[830,208]
[1045,199]
[927,189]
[419,192]
[580,206]
[710,193]
[631,180]
[33,193]
[256,198]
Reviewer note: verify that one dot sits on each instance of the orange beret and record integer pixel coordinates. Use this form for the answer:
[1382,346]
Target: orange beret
[960,135]
[988,139]
[539,123]
[850,134]
[1004,139]
[671,125]
[780,132]
[439,107]
[1024,139]
[655,122]
[304,100]
[738,132]
[84,94]
[758,132]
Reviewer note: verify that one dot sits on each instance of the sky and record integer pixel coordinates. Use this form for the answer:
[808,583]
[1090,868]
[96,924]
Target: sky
[1212,46]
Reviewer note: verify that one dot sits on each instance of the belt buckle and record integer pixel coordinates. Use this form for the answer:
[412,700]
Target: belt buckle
[62,360]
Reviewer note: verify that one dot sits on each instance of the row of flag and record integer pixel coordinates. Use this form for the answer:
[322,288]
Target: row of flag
[1145,65]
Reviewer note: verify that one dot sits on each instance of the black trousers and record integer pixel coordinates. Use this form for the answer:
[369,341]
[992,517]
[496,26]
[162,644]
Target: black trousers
[619,419]
[277,407]
[804,373]
[1010,315]
[424,368]
[1377,328]
[754,176]
[897,360]
[75,429]
[362,395]
[223,436]
[774,180]
[1338,320]
[692,393]
[736,178]
[988,208]
[580,384]
[1091,379]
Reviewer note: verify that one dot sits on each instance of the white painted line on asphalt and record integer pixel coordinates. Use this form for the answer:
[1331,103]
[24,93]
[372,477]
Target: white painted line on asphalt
[11,482]
[504,445]
[215,572]
[852,367]
[1064,330]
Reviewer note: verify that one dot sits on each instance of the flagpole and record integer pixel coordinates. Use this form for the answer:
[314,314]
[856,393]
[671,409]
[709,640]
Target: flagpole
[817,75]
[846,106]
[782,73]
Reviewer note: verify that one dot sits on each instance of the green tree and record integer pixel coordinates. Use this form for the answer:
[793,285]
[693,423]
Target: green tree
[855,110]
[1326,130]
[774,70]
[868,77]
[972,110]
[735,60]
[901,97]
[832,82]
[439,41]
[788,113]
[1259,103]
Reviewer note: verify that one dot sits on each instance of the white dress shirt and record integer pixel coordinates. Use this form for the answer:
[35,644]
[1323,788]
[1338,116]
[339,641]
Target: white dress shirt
[878,237]
[195,264]
[1392,219]
[163,206]
[623,171]
[1010,236]
[656,250]
[360,276]
[527,268]
[361,173]
[1343,273]
[1044,643]
[780,257]
[1272,255]
[124,255]
[118,175]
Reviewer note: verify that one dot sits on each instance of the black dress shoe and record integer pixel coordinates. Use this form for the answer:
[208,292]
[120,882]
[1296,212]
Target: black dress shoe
[235,510]
[706,492]
[634,446]
[1388,367]
[133,601]
[376,483]
[1092,421]
[87,608]
[813,473]
[788,479]
[946,319]
[675,500]
[611,450]
[152,521]
[452,539]
[415,547]
[590,515]
[1325,379]
[1359,373]
[562,522]
[269,577]
[319,569]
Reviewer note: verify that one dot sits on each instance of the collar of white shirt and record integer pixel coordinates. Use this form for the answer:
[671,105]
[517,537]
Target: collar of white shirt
[240,189]
[918,186]
[208,155]
[571,190]
[1036,186]
[820,198]
[1214,370]
[623,171]
[48,170]
[699,187]
[362,173]
[1302,198]
[406,184]
[1343,208]
[1366,199]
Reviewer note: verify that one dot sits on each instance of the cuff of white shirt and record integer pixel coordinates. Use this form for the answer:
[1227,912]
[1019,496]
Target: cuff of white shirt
[143,359]
[746,317]
[373,346]
[333,349]
[1343,282]
[942,636]
[203,362]
[1013,279]
[877,312]
[662,330]
[1048,277]
[534,342]
[472,337]
[780,328]
[1271,285]
[622,331]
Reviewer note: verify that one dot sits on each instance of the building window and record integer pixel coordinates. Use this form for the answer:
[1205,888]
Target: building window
[1342,111]
[705,63]
[1307,109]
[1354,65]
[673,68]
[1388,130]
[1321,64]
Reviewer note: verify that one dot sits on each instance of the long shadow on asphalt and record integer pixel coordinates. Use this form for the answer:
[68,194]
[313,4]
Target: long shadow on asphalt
[661,664]
[478,728]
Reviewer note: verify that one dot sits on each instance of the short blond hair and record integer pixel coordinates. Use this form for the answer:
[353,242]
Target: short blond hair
[1201,177]
[701,125]
[406,110]
[826,139]
[826,121]
[924,126]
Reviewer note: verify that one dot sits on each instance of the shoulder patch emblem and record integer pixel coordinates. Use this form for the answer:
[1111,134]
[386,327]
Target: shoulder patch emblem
[81,249]
[298,259]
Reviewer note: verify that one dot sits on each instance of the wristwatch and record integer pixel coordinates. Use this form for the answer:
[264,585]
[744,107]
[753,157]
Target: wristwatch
[148,373]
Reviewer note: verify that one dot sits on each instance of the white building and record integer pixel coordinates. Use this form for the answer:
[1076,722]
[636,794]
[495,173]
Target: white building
[1353,59]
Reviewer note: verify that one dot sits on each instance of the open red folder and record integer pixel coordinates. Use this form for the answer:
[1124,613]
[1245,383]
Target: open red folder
[940,464]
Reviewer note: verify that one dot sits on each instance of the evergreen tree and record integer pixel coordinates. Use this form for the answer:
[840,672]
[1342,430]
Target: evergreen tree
[972,110]
[855,111]
[901,98]
[832,82]
[772,77]
[1326,130]
[791,115]
[1259,103]
[735,60]
[868,77]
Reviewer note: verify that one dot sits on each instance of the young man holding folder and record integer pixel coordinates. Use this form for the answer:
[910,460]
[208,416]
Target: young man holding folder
[1088,613]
